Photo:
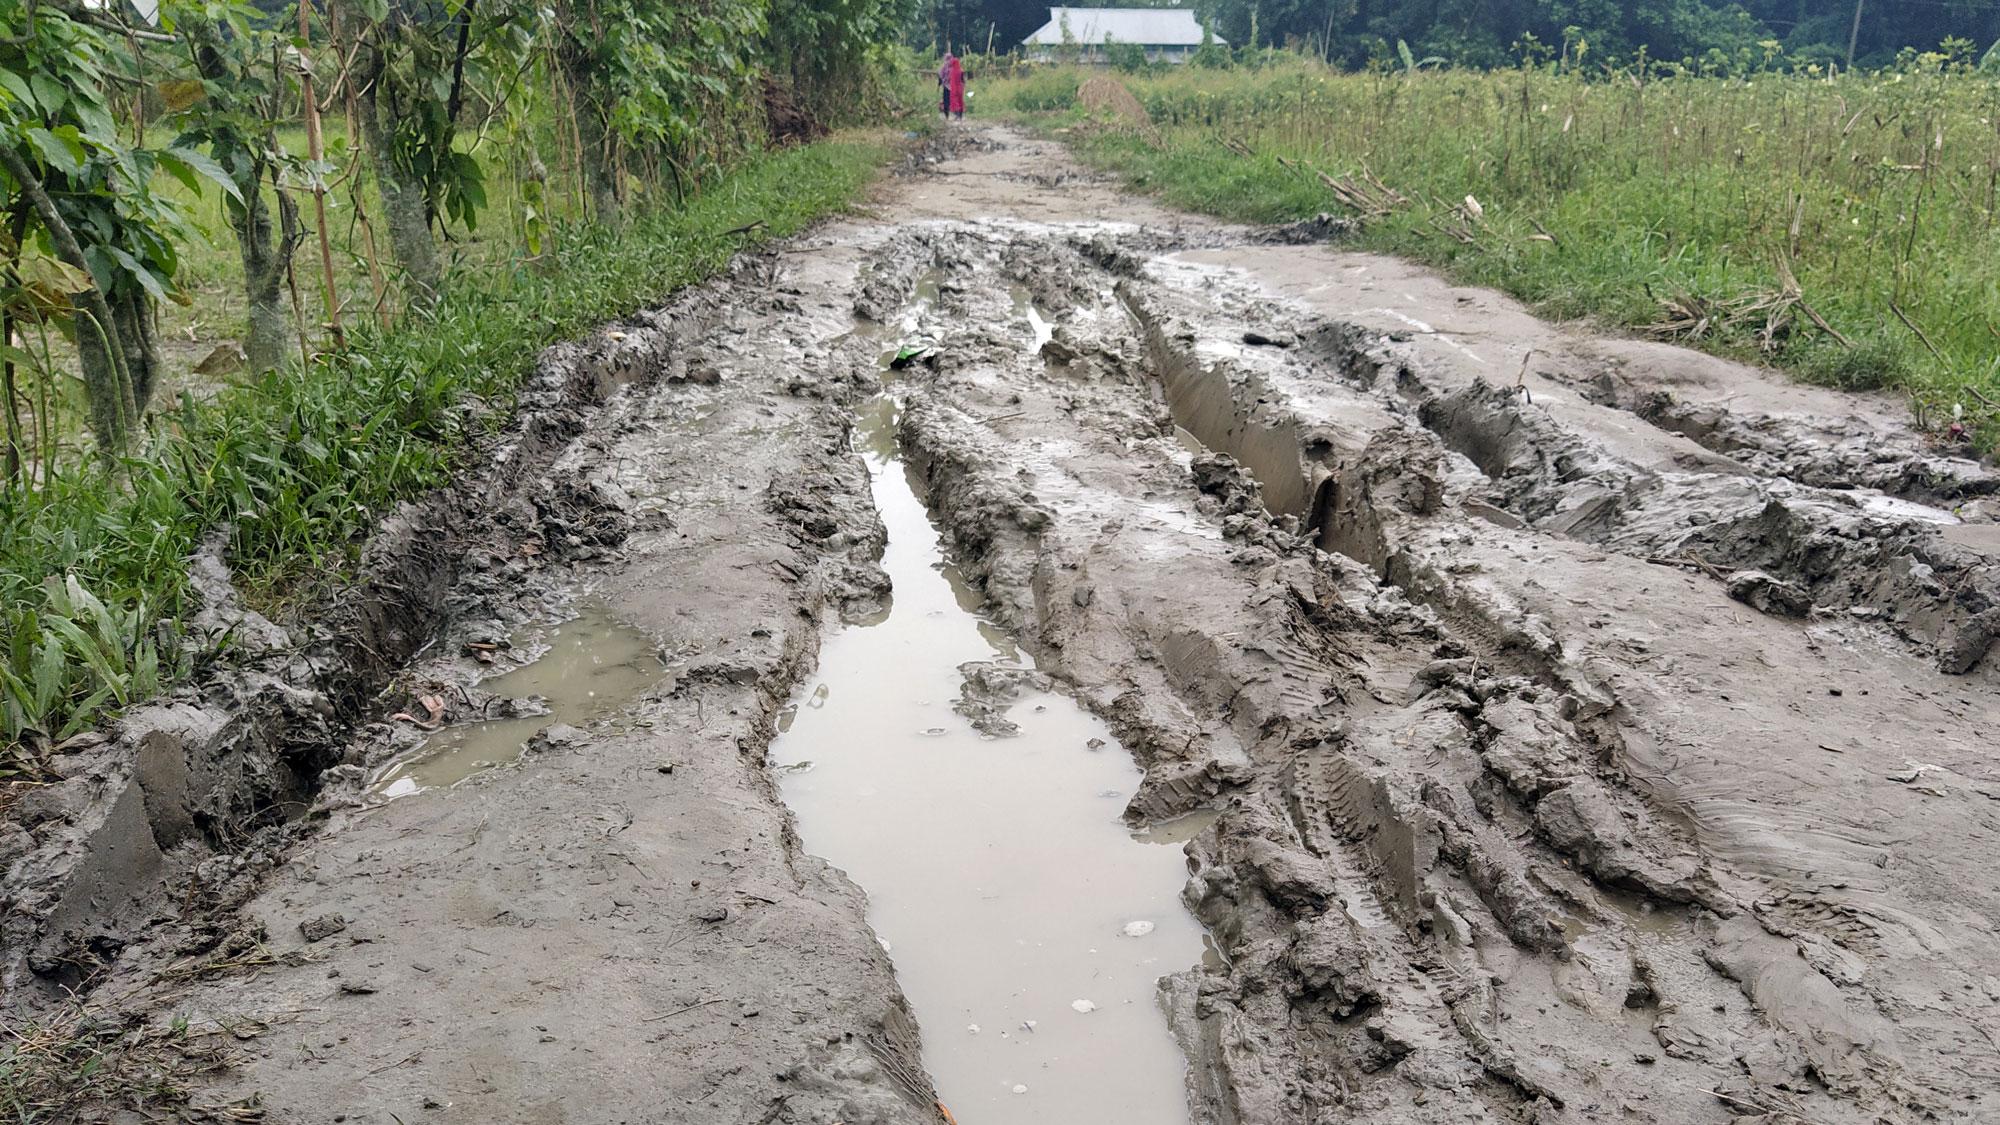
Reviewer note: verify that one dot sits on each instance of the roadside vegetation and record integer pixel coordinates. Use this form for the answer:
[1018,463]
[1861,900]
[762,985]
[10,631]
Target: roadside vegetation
[1844,227]
[267,270]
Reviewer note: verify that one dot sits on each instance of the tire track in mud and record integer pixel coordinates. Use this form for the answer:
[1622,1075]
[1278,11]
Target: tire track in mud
[1462,860]
[1578,733]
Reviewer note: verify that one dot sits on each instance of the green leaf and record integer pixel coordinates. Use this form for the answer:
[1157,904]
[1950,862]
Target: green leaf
[139,273]
[181,170]
[97,124]
[100,662]
[84,714]
[16,88]
[202,163]
[49,669]
[55,151]
[49,93]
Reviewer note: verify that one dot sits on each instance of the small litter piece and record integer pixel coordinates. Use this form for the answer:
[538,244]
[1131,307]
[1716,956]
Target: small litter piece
[1020,1089]
[907,355]
[1083,1005]
[1138,928]
[973,1028]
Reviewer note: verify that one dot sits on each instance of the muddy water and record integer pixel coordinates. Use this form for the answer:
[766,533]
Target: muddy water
[595,665]
[1027,922]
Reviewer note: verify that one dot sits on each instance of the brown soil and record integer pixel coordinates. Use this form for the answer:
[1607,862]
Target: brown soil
[1101,95]
[1597,731]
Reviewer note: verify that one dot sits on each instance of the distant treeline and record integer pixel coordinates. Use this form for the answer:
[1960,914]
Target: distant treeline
[1497,32]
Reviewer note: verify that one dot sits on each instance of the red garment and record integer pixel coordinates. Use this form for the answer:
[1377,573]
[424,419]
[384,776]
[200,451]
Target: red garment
[951,85]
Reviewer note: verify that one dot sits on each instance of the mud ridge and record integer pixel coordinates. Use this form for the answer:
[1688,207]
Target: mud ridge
[1429,799]
[224,766]
[1786,547]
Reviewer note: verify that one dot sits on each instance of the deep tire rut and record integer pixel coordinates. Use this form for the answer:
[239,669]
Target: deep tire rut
[1593,731]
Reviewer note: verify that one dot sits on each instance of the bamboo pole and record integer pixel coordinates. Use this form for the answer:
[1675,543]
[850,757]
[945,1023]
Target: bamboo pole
[357,196]
[316,152]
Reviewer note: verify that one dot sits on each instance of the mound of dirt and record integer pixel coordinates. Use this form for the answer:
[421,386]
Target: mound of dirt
[1107,96]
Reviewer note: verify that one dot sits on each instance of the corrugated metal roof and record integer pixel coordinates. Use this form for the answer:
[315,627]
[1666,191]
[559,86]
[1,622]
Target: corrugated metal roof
[1148,27]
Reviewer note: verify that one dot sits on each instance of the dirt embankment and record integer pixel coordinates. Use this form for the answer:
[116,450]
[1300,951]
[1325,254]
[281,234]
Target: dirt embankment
[624,924]
[1597,731]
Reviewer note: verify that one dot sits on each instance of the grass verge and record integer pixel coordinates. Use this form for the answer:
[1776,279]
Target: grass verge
[302,462]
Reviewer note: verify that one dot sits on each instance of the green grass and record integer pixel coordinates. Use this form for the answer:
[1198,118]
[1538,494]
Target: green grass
[300,463]
[1602,198]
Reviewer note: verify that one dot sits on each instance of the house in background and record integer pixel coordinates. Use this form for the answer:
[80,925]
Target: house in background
[1167,34]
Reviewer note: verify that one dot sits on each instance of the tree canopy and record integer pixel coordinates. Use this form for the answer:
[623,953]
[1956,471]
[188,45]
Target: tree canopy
[1493,32]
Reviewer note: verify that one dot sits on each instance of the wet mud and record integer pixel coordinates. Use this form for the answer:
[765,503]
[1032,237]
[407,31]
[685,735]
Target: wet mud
[981,812]
[1545,727]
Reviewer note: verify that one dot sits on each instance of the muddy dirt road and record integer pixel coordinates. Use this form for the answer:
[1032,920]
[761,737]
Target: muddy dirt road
[1560,729]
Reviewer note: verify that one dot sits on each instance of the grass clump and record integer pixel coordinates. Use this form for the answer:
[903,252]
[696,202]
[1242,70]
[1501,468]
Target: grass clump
[300,463]
[1043,91]
[1870,202]
[79,1066]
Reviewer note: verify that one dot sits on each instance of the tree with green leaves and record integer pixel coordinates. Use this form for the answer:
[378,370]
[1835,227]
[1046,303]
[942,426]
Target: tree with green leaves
[231,109]
[80,205]
[411,73]
[828,50]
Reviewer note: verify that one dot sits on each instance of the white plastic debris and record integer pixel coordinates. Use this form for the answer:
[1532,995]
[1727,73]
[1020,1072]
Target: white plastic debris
[1020,1089]
[1083,1005]
[973,1028]
[1139,928]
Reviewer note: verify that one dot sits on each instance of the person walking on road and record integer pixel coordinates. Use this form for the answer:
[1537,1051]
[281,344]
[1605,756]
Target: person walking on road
[951,87]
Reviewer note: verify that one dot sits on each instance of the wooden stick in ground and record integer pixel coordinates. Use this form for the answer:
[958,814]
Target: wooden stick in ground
[376,281]
[1912,326]
[316,153]
[678,1011]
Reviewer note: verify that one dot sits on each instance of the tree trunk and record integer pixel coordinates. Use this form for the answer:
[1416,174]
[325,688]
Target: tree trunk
[598,166]
[403,206]
[142,354]
[114,411]
[589,105]
[264,261]
[104,383]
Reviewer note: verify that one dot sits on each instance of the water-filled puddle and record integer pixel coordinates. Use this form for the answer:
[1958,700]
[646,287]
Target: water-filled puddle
[1028,923]
[595,666]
